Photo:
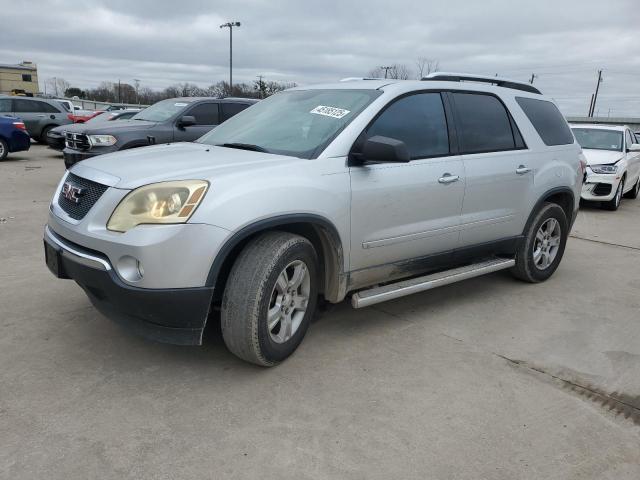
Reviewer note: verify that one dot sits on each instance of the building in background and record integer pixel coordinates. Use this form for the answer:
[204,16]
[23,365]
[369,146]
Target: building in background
[20,79]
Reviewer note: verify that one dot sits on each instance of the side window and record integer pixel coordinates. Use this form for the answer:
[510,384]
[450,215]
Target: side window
[230,109]
[5,105]
[483,123]
[417,120]
[205,114]
[547,120]
[27,106]
[629,139]
[26,77]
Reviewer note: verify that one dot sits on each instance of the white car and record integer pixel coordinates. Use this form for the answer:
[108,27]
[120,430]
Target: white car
[613,163]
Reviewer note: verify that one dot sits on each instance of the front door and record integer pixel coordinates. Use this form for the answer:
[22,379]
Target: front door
[407,211]
[207,116]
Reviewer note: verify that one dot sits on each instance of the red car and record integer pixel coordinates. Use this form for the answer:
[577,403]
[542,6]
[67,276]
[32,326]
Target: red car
[81,116]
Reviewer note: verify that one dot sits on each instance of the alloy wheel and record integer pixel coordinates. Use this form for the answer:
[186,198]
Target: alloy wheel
[547,243]
[289,300]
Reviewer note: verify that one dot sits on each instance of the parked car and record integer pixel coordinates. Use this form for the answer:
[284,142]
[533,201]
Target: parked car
[13,136]
[69,106]
[371,188]
[56,136]
[83,116]
[38,114]
[173,120]
[613,159]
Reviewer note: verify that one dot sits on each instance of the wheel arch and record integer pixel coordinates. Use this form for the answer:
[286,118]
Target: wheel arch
[562,196]
[322,234]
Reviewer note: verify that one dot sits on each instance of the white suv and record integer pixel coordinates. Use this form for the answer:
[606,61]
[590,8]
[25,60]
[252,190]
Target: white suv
[613,158]
[370,188]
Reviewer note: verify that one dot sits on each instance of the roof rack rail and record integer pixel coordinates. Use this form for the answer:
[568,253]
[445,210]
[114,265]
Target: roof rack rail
[354,79]
[500,82]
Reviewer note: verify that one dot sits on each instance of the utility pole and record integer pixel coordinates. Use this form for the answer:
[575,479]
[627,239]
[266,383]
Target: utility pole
[136,81]
[533,77]
[230,26]
[595,95]
[119,92]
[260,86]
[386,70]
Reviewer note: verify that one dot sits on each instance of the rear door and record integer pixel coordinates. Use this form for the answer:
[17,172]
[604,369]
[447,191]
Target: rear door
[36,114]
[207,116]
[408,211]
[229,109]
[497,166]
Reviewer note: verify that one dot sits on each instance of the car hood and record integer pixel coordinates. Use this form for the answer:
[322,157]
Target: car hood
[110,128]
[130,169]
[74,127]
[601,157]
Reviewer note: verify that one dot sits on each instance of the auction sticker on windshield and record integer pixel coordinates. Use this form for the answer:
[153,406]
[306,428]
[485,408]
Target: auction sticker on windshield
[333,112]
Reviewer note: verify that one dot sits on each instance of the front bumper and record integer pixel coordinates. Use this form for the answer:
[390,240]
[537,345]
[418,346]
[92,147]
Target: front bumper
[71,156]
[177,316]
[600,188]
[55,141]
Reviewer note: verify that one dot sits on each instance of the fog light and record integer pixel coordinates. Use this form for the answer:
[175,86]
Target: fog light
[130,268]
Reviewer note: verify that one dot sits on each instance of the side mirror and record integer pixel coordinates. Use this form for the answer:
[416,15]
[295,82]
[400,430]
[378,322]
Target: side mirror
[187,121]
[383,149]
[634,147]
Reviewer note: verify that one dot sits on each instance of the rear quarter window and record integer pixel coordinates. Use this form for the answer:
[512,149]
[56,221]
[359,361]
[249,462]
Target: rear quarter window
[547,120]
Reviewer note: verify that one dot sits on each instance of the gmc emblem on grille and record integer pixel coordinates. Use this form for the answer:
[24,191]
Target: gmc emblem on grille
[72,192]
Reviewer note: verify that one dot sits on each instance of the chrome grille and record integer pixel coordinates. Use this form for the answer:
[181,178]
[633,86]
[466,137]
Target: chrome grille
[90,193]
[77,141]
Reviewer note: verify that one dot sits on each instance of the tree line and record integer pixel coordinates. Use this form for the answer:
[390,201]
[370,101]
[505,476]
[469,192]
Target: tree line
[118,92]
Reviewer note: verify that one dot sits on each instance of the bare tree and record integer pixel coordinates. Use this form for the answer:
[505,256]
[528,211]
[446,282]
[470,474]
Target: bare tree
[425,66]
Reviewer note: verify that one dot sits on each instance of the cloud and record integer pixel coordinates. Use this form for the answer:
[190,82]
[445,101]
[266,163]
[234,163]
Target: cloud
[162,43]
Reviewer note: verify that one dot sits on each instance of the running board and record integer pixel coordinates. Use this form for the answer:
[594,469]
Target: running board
[371,296]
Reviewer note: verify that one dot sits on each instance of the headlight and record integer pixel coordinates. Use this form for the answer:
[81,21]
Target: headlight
[102,140]
[604,168]
[166,202]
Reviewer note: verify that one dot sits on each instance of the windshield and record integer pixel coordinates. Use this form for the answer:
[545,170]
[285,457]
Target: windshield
[161,111]
[599,139]
[297,123]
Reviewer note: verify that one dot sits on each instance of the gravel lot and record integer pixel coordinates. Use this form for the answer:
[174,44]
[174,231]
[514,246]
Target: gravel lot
[486,379]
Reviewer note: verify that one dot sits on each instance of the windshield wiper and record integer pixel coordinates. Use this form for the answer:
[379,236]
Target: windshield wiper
[244,146]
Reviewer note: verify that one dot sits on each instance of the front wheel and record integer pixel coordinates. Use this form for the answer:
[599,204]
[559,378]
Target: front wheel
[270,298]
[43,134]
[541,250]
[633,193]
[614,203]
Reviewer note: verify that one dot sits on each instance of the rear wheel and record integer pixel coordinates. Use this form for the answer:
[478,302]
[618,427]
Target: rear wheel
[270,298]
[43,134]
[4,149]
[633,193]
[542,249]
[614,203]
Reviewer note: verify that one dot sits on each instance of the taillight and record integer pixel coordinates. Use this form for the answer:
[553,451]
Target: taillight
[20,125]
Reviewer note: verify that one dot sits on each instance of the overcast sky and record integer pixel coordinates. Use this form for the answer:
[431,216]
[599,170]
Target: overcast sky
[564,42]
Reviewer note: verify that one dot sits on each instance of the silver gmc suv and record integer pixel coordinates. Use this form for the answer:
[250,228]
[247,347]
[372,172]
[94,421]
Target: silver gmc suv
[371,188]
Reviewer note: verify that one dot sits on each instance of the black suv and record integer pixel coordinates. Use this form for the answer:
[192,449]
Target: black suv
[173,120]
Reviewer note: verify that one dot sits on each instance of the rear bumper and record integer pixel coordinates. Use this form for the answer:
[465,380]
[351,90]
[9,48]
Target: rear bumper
[19,142]
[176,316]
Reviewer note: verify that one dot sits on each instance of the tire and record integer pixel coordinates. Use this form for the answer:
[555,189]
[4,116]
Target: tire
[43,134]
[633,193]
[614,203]
[4,149]
[531,268]
[253,290]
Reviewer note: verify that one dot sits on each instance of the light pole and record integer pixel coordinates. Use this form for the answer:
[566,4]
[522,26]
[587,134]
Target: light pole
[230,26]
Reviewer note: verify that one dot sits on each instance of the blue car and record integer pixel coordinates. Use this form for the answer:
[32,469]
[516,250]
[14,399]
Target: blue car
[13,136]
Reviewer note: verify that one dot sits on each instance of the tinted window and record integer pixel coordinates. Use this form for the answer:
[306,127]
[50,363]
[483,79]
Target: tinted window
[205,113]
[5,105]
[230,109]
[419,121]
[26,77]
[483,123]
[547,120]
[26,106]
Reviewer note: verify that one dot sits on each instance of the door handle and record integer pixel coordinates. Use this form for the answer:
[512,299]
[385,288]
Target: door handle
[42,115]
[448,178]
[521,170]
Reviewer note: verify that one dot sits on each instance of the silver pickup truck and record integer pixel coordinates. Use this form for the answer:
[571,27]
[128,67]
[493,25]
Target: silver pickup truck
[371,189]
